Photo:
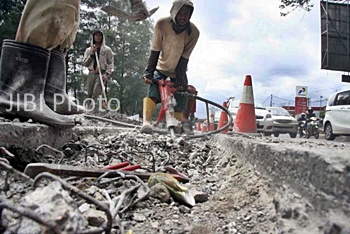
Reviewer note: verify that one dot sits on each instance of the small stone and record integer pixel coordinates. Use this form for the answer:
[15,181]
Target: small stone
[286,213]
[199,196]
[247,218]
[139,217]
[155,225]
[95,218]
[84,207]
[160,192]
[185,209]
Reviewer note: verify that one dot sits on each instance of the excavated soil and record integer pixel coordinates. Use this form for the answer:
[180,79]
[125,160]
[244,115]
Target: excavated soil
[232,196]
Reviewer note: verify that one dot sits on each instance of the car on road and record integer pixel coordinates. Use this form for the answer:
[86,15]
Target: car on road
[282,122]
[262,115]
[337,118]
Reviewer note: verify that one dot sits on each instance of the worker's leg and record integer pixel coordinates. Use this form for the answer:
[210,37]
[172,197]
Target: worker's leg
[44,25]
[149,104]
[148,109]
[56,96]
[23,70]
[181,105]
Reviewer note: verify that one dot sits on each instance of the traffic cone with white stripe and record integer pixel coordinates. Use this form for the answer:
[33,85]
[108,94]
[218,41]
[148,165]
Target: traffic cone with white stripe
[245,121]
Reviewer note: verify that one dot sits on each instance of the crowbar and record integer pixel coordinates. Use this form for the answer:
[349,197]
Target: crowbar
[33,169]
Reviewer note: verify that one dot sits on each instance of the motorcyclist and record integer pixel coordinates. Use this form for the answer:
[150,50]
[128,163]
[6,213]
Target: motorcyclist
[300,122]
[310,113]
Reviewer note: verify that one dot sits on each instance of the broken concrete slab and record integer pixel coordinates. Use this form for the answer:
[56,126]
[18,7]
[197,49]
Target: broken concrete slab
[29,136]
[320,172]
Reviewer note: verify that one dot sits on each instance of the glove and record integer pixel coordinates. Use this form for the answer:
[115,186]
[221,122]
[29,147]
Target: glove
[151,64]
[181,79]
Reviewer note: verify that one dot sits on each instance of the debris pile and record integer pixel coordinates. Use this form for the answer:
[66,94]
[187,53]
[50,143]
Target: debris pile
[229,196]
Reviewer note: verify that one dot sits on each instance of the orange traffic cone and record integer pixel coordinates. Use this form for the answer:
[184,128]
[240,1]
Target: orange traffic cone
[245,119]
[211,123]
[223,119]
[204,126]
[199,127]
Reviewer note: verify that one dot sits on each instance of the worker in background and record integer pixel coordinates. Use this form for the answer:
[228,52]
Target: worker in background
[106,63]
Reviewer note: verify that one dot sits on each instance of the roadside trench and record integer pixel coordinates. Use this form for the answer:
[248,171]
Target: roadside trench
[242,184]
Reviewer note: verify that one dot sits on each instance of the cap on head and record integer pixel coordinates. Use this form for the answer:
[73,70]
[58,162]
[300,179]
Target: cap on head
[303,114]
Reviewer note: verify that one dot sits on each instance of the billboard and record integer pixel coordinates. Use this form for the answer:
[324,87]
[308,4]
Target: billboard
[335,37]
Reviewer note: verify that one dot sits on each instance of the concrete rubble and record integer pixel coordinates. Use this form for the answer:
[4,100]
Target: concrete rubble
[242,184]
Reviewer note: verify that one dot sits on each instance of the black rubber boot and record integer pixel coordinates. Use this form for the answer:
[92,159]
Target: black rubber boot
[55,90]
[23,71]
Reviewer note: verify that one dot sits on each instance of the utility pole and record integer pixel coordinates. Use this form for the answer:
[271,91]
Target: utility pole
[271,100]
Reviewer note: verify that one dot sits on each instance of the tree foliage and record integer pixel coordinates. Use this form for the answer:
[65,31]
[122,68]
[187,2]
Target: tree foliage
[288,6]
[10,14]
[129,41]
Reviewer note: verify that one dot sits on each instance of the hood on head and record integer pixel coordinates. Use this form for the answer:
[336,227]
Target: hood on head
[177,4]
[103,36]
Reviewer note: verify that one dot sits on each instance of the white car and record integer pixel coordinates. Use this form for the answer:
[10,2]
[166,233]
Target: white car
[262,115]
[337,119]
[283,122]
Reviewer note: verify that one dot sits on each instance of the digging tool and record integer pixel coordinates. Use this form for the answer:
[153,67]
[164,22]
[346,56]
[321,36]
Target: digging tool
[138,12]
[167,91]
[33,169]
[101,81]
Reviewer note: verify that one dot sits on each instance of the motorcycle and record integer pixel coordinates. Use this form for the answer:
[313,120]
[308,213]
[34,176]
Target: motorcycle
[312,128]
[302,128]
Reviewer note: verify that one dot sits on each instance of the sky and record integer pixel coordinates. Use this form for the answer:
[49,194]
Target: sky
[240,37]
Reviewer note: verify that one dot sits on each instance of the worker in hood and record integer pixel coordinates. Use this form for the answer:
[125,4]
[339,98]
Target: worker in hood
[33,72]
[173,41]
[105,61]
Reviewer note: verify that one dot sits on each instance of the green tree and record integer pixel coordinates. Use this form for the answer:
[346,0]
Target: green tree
[129,41]
[10,14]
[288,6]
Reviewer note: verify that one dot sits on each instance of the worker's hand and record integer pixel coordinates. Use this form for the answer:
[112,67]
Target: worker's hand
[180,86]
[94,48]
[104,77]
[147,80]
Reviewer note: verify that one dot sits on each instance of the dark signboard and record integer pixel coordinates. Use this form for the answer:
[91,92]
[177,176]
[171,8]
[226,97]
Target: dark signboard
[335,36]
[345,78]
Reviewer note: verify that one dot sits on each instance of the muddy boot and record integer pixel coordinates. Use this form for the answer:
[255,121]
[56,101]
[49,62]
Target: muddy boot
[187,128]
[148,109]
[23,71]
[55,89]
